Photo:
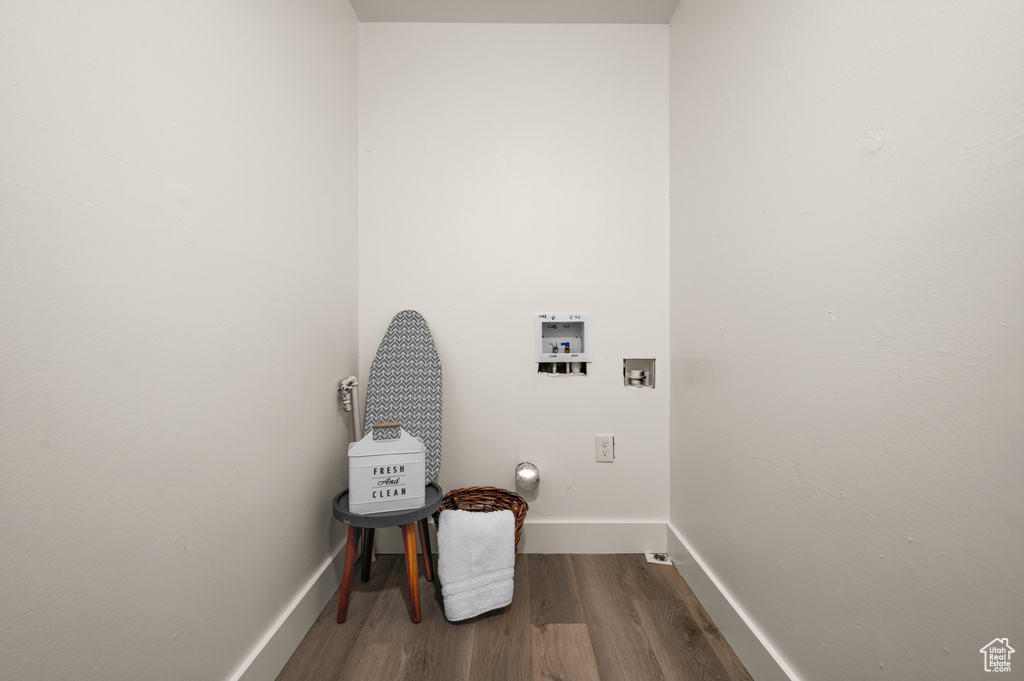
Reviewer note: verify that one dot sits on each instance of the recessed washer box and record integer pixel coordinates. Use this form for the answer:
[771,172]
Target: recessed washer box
[562,337]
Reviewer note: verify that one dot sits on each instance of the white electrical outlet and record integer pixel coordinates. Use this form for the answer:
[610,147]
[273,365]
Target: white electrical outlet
[604,448]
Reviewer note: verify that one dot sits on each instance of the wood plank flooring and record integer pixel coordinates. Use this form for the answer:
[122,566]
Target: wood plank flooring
[573,618]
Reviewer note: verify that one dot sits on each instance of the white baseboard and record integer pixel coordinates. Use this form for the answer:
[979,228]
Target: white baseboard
[561,537]
[591,537]
[752,647]
[269,656]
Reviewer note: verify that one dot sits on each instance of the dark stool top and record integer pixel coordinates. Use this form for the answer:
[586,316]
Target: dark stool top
[432,495]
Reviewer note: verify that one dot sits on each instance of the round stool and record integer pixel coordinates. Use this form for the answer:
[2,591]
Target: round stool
[408,519]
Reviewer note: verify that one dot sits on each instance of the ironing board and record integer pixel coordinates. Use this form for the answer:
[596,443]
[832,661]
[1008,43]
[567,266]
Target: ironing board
[405,385]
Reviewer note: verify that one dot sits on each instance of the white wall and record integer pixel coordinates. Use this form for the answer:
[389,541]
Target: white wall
[178,253]
[848,325]
[512,169]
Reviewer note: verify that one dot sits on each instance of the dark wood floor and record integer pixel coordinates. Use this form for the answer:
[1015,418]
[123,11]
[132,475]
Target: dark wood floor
[573,618]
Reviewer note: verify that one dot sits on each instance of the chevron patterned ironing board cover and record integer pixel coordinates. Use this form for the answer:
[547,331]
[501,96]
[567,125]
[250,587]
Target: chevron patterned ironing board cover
[405,385]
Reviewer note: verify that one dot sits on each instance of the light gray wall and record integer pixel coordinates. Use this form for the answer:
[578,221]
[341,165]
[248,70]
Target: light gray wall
[178,253]
[847,305]
[507,170]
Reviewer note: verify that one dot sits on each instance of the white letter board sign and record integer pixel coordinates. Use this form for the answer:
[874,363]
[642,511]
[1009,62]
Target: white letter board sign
[386,474]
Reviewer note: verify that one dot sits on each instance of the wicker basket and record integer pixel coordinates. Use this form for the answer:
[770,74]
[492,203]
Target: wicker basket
[485,499]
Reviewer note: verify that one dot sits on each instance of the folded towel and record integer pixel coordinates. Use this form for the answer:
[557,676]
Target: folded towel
[476,554]
[470,604]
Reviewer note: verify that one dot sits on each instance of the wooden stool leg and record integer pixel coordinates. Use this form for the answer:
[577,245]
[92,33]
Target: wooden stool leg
[428,559]
[351,550]
[411,570]
[367,553]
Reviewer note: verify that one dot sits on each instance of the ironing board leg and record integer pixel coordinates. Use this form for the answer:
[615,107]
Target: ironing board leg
[428,559]
[351,550]
[367,553]
[411,570]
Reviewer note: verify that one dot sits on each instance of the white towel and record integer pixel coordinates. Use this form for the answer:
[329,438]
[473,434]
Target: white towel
[476,556]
